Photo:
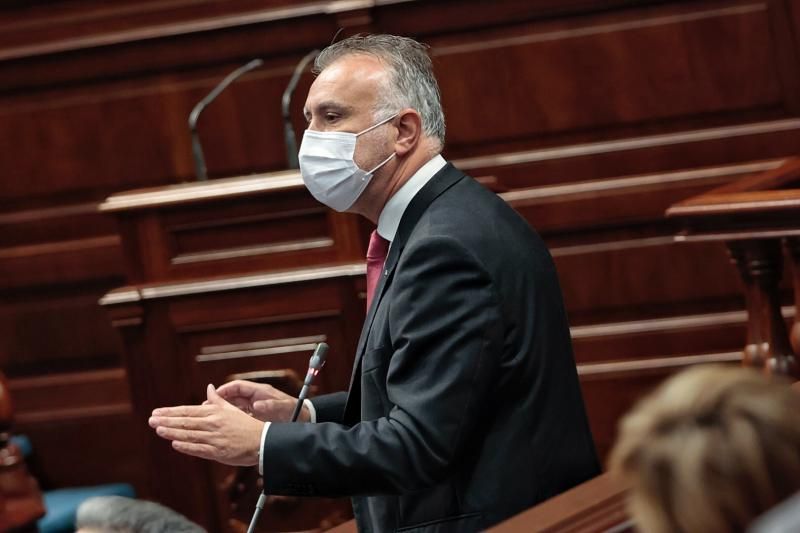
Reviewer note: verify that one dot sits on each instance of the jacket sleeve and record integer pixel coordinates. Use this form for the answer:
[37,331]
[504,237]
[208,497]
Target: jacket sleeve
[447,339]
[330,407]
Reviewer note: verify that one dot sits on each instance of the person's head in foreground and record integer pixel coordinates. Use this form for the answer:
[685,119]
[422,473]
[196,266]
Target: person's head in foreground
[117,514]
[709,451]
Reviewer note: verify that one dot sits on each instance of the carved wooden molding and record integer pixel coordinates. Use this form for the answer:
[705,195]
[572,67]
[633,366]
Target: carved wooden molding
[204,191]
[635,24]
[760,264]
[633,143]
[165,290]
[592,370]
[667,324]
[187,27]
[593,188]
[793,250]
[259,349]
[249,251]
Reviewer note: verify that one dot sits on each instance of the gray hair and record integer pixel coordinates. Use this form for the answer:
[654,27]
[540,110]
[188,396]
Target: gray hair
[411,81]
[117,514]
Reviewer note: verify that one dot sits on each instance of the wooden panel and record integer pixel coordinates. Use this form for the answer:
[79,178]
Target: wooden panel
[281,343]
[55,25]
[193,333]
[58,329]
[598,71]
[795,18]
[280,231]
[271,330]
[87,413]
[677,335]
[264,222]
[109,446]
[596,506]
[68,220]
[617,227]
[586,206]
[609,392]
[686,150]
[606,286]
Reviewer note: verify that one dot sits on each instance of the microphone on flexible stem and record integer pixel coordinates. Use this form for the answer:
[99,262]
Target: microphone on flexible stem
[286,103]
[197,149]
[315,364]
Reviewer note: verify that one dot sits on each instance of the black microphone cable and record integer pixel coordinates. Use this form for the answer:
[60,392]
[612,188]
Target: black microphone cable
[315,364]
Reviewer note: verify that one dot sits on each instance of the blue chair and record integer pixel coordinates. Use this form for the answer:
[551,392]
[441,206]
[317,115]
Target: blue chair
[62,504]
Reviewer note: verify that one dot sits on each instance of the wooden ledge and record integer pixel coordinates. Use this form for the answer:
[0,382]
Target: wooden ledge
[203,191]
[594,506]
[773,190]
[762,206]
[133,294]
[737,202]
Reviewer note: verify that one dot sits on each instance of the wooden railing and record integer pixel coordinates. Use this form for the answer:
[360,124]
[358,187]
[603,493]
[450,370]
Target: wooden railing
[756,217]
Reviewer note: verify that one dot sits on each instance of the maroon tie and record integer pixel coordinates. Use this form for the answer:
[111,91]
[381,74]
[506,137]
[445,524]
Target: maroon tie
[376,256]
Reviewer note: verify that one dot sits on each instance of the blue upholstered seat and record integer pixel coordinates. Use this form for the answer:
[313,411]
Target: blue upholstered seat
[62,504]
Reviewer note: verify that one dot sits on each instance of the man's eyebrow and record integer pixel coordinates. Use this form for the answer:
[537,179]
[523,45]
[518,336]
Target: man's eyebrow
[322,107]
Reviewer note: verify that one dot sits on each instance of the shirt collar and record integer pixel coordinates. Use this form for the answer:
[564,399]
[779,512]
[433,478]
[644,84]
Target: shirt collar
[389,219]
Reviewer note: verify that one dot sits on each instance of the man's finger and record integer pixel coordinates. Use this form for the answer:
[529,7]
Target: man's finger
[178,422]
[184,410]
[236,388]
[204,451]
[185,435]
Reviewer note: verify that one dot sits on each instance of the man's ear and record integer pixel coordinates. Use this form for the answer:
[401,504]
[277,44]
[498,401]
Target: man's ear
[409,131]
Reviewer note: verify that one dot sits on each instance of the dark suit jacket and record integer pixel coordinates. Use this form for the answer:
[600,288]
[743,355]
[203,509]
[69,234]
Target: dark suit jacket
[465,406]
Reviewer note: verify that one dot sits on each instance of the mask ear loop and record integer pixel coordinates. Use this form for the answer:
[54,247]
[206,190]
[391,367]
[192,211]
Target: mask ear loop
[382,163]
[381,123]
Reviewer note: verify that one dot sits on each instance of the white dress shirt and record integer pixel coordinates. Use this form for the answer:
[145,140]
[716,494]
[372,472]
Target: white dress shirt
[388,222]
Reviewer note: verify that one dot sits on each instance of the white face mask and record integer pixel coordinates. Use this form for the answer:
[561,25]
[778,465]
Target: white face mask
[328,169]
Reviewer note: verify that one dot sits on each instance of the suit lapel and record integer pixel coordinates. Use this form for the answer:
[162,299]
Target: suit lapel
[440,182]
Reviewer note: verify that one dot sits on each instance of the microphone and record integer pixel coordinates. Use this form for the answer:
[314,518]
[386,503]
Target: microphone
[197,149]
[315,364]
[286,101]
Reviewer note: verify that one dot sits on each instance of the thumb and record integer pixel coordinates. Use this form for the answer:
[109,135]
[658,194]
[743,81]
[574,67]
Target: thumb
[213,397]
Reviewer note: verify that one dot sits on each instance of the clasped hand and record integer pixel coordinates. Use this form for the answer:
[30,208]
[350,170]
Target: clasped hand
[227,426]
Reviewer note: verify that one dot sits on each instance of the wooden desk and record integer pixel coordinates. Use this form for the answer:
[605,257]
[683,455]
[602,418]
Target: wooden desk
[228,277]
[597,505]
[592,507]
[755,216]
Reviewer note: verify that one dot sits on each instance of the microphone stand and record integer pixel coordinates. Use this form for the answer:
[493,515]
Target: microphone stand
[286,101]
[315,364]
[197,149]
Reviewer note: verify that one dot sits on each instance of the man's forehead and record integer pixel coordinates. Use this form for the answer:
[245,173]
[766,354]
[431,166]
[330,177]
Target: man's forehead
[351,80]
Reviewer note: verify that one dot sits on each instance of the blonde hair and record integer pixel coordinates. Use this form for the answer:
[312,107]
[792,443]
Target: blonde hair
[709,451]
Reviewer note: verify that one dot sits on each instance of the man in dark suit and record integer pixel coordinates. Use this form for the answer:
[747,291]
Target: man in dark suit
[465,406]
